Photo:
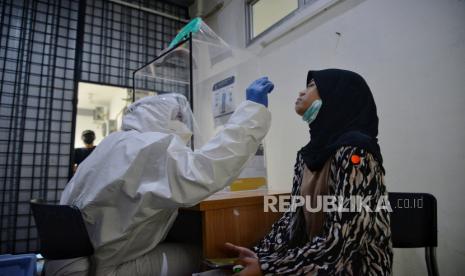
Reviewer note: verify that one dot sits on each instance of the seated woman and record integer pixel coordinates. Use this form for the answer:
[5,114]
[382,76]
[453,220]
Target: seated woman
[343,160]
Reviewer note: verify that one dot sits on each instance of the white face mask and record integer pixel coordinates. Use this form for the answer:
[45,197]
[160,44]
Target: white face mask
[180,129]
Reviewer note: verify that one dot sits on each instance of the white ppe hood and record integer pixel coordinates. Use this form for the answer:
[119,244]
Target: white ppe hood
[167,113]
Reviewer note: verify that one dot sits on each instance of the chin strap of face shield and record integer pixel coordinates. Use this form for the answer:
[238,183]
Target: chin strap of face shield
[180,123]
[180,129]
[181,109]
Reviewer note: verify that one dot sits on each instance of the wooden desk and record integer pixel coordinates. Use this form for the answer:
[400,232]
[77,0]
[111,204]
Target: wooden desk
[235,217]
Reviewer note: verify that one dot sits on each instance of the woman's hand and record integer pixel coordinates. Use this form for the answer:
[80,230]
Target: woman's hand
[242,252]
[251,267]
[246,258]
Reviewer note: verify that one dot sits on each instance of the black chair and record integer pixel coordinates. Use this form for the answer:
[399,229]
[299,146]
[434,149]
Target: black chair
[62,232]
[414,224]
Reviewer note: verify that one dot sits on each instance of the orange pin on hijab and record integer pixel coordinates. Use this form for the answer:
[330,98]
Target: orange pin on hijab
[355,159]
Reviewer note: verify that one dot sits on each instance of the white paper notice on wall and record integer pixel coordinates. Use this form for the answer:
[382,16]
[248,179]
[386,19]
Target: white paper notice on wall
[222,100]
[255,166]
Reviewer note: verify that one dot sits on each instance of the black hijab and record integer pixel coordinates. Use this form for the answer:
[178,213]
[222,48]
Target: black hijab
[346,118]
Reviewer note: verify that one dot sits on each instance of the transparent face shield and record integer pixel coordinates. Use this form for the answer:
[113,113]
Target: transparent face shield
[179,68]
[213,77]
[201,66]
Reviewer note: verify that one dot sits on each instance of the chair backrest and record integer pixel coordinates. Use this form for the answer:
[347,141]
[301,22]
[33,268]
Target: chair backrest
[414,220]
[62,232]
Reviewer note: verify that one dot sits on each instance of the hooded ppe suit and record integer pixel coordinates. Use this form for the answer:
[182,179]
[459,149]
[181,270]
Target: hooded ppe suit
[130,188]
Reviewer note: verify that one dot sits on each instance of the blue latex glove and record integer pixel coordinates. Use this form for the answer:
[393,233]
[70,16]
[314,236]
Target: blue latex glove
[258,91]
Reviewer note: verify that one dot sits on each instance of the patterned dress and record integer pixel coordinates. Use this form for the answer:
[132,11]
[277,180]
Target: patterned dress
[352,243]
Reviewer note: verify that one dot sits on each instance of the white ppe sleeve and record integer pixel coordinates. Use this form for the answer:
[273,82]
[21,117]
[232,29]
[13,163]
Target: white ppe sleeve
[195,175]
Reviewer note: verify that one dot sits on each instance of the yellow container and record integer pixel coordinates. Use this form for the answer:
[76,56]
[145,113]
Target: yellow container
[244,184]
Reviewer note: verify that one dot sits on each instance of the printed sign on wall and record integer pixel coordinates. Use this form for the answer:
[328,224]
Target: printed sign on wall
[222,101]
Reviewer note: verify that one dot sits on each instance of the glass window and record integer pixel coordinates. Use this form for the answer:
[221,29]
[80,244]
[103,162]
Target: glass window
[266,13]
[262,16]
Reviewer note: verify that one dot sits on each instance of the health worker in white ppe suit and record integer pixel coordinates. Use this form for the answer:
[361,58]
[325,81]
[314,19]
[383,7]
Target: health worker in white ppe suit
[131,186]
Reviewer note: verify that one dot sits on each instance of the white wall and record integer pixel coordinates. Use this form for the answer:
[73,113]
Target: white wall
[412,54]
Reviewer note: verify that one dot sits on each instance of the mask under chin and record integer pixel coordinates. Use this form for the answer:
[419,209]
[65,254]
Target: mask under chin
[311,113]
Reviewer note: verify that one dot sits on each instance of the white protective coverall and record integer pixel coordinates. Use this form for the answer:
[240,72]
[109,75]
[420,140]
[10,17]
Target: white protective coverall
[131,186]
